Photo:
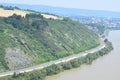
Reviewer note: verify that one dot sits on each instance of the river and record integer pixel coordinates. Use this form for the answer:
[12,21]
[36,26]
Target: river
[104,68]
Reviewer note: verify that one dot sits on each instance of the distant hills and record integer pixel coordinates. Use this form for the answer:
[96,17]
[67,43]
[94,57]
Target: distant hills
[67,11]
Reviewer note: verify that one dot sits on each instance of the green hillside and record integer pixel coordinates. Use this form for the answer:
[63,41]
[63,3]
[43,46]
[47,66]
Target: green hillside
[33,39]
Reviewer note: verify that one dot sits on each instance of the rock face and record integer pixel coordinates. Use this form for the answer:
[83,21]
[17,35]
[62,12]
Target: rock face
[16,58]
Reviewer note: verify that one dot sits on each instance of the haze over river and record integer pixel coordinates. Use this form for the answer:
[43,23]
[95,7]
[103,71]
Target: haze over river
[104,68]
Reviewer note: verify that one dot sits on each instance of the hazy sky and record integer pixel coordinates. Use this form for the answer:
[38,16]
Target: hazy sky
[112,5]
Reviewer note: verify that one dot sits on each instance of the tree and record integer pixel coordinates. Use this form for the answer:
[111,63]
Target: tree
[66,65]
[75,63]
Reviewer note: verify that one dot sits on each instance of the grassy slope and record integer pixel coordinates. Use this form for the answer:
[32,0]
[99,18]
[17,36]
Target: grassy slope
[74,35]
[57,39]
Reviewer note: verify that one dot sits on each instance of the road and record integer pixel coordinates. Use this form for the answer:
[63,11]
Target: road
[66,59]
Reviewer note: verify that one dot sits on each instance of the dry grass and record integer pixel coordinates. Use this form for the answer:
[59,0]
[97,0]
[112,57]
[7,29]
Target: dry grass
[6,13]
[49,16]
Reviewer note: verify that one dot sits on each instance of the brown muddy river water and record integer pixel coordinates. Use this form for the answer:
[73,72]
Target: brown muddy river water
[105,68]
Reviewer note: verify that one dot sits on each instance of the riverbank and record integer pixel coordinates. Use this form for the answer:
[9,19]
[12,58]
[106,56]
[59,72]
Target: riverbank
[89,58]
[104,68]
[57,68]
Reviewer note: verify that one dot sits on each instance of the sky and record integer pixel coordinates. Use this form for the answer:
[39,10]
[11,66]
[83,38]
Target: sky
[109,5]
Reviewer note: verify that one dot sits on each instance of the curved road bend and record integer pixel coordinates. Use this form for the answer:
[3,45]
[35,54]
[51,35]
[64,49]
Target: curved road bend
[66,59]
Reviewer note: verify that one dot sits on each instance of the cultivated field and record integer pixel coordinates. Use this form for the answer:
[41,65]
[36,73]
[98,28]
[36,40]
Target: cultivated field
[6,13]
[49,16]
